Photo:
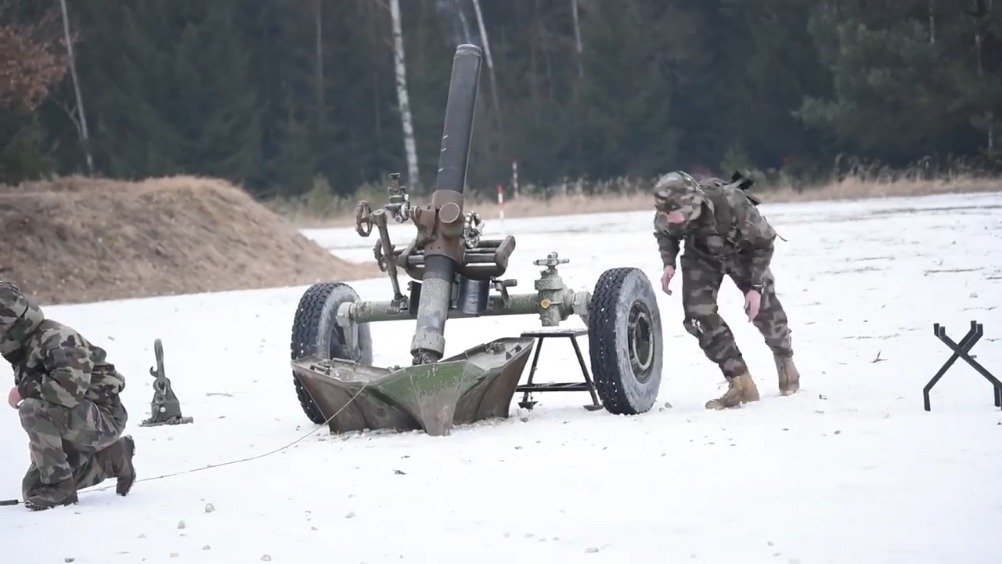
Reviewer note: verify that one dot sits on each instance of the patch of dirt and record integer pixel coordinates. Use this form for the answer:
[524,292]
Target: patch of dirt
[78,239]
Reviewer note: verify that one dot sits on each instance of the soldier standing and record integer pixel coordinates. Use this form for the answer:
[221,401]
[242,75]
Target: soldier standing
[724,233]
[67,397]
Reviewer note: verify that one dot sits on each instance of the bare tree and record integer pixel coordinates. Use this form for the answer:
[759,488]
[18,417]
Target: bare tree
[318,55]
[405,106]
[462,20]
[982,9]
[490,60]
[577,36]
[81,116]
[29,65]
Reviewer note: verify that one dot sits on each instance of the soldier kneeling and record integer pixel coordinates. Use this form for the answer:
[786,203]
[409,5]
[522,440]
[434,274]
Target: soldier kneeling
[67,397]
[724,234]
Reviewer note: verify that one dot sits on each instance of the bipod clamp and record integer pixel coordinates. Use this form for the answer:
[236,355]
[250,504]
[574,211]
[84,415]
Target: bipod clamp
[961,350]
[166,409]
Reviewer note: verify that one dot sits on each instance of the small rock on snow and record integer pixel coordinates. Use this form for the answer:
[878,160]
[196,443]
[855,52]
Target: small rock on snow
[266,558]
[591,550]
[209,508]
[349,515]
[181,525]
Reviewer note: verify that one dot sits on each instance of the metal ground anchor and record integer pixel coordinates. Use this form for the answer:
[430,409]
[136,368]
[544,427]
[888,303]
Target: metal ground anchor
[165,407]
[961,351]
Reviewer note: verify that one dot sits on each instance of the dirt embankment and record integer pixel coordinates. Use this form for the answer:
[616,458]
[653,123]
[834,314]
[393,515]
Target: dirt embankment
[79,239]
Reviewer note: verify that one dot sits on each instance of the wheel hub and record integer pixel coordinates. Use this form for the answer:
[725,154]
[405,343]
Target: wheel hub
[641,341]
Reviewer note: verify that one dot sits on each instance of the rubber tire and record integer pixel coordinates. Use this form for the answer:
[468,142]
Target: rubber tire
[616,293]
[315,333]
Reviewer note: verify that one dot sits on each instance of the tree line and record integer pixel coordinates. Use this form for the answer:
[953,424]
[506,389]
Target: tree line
[275,93]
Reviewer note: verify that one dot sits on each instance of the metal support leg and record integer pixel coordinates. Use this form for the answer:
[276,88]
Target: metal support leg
[960,351]
[595,404]
[587,386]
[963,353]
[525,403]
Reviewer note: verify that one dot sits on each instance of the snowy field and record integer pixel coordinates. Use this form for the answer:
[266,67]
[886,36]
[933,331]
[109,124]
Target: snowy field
[851,469]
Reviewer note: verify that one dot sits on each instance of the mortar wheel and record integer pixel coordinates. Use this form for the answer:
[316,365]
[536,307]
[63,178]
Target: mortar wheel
[315,333]
[624,341]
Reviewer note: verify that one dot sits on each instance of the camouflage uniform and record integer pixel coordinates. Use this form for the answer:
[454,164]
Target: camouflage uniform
[71,408]
[727,236]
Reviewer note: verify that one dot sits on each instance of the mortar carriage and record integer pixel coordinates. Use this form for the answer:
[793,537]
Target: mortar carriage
[454,272]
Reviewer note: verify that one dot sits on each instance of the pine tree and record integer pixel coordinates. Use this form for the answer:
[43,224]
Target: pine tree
[892,85]
[173,89]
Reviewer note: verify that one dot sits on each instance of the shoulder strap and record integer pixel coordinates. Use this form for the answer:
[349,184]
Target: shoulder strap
[744,183]
[723,213]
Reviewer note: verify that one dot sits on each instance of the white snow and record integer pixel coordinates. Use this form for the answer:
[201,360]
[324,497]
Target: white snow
[851,469]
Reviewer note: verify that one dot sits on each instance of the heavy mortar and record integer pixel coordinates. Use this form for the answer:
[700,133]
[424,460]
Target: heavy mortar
[453,272]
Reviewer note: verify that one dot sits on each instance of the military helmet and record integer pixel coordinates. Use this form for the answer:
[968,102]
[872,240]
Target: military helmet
[19,316]
[13,305]
[677,191]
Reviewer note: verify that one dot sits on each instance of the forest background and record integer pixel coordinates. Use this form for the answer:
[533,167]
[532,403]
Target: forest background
[300,100]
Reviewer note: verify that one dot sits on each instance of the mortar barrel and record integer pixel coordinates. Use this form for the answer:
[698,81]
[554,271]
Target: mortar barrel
[459,110]
[439,269]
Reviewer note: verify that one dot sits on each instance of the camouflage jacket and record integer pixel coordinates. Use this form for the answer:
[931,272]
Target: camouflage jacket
[56,364]
[730,228]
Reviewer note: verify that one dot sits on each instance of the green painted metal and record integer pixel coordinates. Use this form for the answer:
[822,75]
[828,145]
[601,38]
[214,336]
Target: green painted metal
[516,304]
[477,384]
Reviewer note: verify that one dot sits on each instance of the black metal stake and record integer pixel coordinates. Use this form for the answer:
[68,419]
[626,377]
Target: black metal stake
[960,351]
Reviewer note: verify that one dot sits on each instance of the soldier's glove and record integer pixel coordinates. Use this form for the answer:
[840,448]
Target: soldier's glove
[666,278]
[14,398]
[753,301]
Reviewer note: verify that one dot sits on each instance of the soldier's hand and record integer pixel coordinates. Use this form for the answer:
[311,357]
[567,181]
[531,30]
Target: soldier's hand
[666,278]
[753,301]
[14,397]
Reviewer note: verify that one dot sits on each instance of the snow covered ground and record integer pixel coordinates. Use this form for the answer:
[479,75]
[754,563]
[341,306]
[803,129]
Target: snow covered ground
[849,470]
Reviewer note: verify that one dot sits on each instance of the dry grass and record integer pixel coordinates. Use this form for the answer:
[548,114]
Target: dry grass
[80,239]
[850,189]
[857,189]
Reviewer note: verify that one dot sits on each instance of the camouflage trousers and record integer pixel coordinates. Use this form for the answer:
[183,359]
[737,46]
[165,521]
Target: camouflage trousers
[701,278]
[68,442]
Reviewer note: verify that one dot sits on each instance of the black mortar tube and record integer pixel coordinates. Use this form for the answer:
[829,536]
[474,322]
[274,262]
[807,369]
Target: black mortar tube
[433,308]
[458,129]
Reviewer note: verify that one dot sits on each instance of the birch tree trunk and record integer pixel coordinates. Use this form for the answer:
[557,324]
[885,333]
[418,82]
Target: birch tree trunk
[405,105]
[81,115]
[980,11]
[932,22]
[462,20]
[577,36]
[490,60]
[318,56]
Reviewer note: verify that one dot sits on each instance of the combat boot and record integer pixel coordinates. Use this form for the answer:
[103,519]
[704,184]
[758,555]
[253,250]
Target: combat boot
[47,496]
[741,389]
[119,457]
[789,377]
